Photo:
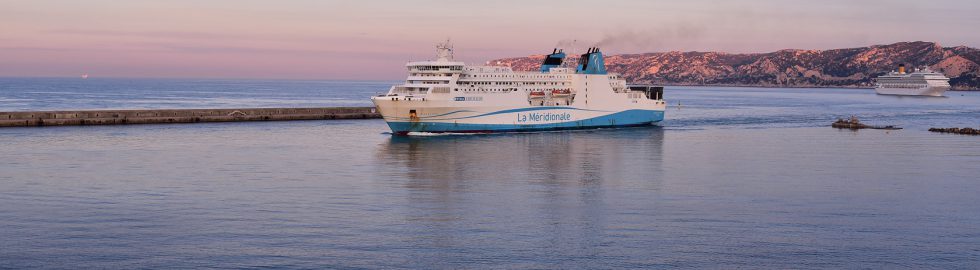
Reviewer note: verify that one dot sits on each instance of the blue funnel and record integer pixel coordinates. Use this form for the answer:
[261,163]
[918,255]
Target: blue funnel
[591,63]
[553,60]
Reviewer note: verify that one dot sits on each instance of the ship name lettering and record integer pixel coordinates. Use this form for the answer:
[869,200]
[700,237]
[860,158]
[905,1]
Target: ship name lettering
[543,117]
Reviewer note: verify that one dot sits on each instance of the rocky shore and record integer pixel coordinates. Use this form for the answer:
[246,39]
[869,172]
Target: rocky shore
[855,124]
[964,131]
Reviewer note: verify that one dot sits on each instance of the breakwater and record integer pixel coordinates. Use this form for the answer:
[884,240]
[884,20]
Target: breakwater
[161,116]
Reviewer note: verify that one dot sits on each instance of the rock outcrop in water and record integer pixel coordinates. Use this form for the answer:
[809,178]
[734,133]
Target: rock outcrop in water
[851,123]
[964,131]
[854,123]
[852,67]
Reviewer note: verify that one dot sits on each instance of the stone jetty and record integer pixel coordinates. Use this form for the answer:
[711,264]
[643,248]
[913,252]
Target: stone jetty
[964,131]
[159,116]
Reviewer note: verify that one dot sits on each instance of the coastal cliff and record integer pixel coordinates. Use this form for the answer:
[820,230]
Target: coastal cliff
[853,67]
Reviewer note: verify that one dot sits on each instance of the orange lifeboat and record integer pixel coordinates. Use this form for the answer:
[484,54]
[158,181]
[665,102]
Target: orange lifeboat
[561,93]
[536,94]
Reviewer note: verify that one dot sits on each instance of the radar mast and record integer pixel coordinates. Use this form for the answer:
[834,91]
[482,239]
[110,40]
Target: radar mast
[444,51]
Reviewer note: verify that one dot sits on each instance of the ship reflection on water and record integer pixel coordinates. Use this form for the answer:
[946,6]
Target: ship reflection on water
[643,197]
[550,193]
[583,159]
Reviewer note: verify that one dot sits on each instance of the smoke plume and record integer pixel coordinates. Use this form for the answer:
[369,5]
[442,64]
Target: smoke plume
[652,39]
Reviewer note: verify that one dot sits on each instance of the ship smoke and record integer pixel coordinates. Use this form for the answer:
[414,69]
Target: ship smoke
[640,40]
[651,39]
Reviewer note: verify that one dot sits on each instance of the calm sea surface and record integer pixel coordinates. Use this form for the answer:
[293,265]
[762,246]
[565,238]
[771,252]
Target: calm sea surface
[735,178]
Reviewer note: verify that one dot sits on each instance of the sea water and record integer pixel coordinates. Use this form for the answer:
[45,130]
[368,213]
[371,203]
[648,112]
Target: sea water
[734,178]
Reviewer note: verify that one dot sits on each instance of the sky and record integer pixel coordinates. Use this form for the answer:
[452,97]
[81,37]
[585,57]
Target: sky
[372,40]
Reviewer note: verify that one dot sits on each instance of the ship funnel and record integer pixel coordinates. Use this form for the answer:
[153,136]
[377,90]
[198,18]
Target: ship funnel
[552,60]
[901,68]
[591,62]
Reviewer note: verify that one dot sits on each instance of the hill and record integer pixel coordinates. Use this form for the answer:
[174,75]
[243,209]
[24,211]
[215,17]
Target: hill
[853,67]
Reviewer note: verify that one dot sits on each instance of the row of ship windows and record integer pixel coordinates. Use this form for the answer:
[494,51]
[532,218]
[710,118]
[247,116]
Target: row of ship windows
[487,90]
[889,85]
[428,82]
[486,83]
[431,74]
[486,69]
[514,76]
[902,81]
[500,89]
[426,68]
[509,83]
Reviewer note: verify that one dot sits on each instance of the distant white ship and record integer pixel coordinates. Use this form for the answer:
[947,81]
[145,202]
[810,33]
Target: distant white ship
[922,82]
[85,76]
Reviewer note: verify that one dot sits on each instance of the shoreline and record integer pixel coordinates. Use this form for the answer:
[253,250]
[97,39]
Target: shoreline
[766,86]
[792,87]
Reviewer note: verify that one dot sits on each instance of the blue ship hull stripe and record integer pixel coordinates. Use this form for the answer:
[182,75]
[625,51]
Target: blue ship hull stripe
[500,112]
[438,115]
[624,118]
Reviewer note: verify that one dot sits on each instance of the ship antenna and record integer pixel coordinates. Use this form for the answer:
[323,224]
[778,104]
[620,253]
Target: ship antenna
[444,51]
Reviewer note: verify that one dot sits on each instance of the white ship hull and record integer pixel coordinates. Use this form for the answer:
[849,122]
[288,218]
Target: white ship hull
[922,82]
[444,96]
[934,91]
[445,117]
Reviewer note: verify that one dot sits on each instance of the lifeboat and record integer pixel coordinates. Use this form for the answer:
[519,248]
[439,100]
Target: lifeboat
[561,93]
[536,94]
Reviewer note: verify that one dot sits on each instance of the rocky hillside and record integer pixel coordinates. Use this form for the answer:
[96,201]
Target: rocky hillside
[788,68]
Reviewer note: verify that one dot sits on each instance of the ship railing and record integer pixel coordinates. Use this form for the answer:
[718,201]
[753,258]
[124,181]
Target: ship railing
[409,90]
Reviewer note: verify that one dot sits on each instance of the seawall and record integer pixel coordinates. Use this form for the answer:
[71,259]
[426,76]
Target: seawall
[160,116]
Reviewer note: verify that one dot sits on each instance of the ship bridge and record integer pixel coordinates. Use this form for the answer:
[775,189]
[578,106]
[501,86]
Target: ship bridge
[436,75]
[443,65]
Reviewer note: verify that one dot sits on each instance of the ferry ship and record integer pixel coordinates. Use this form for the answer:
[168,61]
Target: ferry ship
[922,82]
[446,96]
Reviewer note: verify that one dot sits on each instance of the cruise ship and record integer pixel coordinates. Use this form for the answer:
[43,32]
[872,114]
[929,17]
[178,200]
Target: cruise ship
[922,82]
[447,96]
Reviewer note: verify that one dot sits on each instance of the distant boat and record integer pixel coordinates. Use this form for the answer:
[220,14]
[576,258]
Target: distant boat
[922,82]
[84,76]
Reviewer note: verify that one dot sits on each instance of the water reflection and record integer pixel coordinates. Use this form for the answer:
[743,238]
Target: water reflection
[583,158]
[550,188]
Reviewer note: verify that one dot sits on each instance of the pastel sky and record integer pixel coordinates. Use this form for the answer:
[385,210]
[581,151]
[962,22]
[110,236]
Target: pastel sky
[320,39]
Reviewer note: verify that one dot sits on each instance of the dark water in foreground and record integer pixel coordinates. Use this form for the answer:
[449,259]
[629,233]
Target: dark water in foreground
[736,178]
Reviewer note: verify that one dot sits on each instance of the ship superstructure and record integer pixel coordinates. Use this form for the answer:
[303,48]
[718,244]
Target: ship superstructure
[444,95]
[921,82]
